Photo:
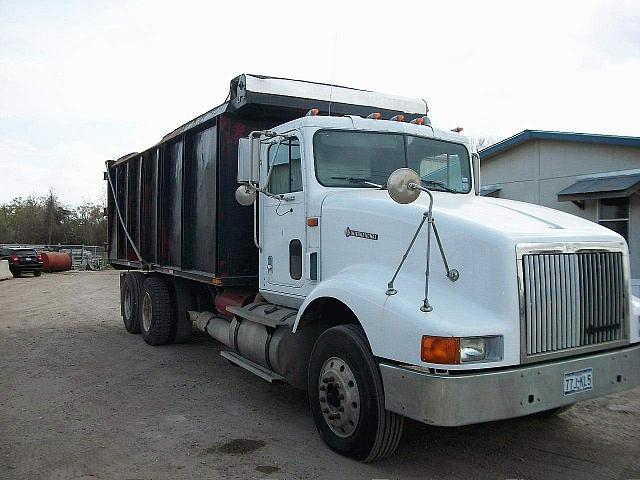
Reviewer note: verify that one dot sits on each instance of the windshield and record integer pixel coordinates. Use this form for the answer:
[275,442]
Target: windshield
[358,159]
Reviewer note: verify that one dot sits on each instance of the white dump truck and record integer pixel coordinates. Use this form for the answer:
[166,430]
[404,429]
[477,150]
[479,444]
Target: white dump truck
[334,239]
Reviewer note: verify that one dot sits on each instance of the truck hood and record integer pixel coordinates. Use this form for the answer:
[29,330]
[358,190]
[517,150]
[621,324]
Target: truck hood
[365,235]
[507,217]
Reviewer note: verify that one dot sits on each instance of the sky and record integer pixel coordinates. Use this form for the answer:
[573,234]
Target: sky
[82,82]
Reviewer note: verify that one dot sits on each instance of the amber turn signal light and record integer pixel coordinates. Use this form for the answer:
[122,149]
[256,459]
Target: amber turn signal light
[444,350]
[312,222]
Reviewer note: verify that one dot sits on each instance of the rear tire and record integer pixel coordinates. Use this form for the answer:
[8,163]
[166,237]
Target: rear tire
[130,295]
[37,274]
[155,311]
[346,396]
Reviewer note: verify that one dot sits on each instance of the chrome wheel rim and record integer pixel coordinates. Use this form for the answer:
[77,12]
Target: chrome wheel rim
[339,397]
[146,311]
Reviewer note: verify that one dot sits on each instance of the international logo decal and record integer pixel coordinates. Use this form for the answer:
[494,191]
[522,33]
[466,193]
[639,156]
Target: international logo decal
[355,233]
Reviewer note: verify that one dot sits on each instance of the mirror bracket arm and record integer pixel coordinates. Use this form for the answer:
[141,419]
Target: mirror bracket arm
[452,274]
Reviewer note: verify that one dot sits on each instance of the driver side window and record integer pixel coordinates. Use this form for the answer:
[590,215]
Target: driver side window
[286,175]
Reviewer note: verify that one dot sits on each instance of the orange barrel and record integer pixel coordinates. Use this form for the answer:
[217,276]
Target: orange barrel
[56,261]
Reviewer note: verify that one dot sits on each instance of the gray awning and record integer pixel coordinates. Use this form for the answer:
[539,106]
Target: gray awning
[601,187]
[487,190]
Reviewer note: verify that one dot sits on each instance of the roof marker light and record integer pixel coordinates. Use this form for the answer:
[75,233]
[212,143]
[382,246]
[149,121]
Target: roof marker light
[374,116]
[422,121]
[457,129]
[313,112]
[397,118]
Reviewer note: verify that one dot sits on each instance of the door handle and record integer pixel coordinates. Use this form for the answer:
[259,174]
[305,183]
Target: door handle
[269,264]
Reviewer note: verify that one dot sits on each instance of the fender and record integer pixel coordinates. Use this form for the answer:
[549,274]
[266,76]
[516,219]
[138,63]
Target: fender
[354,287]
[394,324]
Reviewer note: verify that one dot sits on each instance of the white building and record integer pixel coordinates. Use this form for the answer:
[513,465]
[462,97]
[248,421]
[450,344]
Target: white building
[594,176]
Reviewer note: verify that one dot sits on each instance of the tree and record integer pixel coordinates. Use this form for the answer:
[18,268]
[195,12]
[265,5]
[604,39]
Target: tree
[44,220]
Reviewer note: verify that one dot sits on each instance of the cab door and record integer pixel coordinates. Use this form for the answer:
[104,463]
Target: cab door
[283,219]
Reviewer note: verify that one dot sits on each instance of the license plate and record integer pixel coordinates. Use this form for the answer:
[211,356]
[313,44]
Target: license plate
[579,381]
[28,259]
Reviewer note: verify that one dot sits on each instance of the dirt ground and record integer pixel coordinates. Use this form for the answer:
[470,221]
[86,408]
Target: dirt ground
[81,398]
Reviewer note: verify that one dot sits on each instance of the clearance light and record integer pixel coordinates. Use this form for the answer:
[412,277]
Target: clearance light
[374,116]
[397,118]
[313,112]
[456,350]
[421,121]
[312,222]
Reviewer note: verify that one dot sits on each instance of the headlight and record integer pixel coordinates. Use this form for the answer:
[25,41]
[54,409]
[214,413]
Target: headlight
[456,350]
[480,349]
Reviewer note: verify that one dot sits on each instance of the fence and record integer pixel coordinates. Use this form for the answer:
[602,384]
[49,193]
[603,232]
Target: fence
[83,257]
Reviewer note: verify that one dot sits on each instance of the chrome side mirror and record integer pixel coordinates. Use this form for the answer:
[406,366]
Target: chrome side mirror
[249,159]
[398,185]
[475,158]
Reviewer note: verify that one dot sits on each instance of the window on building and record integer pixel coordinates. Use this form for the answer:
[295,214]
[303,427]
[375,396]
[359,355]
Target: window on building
[613,213]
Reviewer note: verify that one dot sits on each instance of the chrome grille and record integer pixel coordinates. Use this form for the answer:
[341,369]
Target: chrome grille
[572,300]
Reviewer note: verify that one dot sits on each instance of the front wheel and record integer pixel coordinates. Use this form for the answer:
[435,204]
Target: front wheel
[346,396]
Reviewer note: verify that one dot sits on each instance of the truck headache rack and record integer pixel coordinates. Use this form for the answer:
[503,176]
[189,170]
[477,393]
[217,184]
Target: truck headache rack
[572,302]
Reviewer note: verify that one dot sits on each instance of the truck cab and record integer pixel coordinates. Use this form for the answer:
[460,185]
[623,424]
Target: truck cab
[538,315]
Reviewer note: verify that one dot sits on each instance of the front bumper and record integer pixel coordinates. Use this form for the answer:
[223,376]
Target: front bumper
[483,397]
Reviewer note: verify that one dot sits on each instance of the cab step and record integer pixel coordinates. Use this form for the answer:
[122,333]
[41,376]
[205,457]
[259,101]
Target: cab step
[252,367]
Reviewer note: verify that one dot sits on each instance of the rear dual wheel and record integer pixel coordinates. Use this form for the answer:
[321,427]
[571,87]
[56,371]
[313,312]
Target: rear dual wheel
[346,396]
[155,311]
[130,292]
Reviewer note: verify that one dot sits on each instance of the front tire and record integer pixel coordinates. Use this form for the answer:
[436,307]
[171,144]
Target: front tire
[155,311]
[346,396]
[37,274]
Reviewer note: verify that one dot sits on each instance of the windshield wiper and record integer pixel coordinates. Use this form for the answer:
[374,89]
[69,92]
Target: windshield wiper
[440,185]
[358,180]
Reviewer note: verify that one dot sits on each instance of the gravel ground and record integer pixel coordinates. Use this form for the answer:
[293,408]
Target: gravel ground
[82,398]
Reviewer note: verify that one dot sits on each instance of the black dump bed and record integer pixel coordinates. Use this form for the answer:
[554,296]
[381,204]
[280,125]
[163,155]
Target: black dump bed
[177,197]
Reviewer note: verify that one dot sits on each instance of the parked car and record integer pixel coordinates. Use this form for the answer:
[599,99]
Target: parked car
[22,259]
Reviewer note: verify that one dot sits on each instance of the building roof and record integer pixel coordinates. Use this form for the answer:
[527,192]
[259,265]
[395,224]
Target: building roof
[601,187]
[528,135]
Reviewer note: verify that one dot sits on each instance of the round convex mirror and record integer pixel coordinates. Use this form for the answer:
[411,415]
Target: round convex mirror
[398,185]
[245,195]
